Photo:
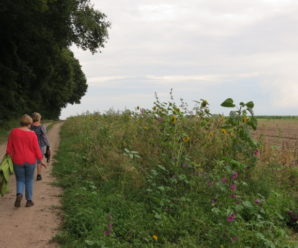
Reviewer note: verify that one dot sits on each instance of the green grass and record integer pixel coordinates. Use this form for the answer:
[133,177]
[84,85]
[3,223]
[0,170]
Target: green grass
[155,179]
[5,129]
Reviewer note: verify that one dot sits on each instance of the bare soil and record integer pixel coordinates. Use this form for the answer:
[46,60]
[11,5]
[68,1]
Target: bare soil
[280,133]
[32,227]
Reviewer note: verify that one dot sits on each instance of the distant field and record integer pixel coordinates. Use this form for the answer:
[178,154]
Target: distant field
[283,117]
[279,132]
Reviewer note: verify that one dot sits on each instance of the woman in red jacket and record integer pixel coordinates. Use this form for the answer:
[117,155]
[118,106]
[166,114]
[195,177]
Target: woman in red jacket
[24,150]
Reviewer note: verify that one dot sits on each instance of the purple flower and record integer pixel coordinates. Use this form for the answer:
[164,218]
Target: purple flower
[107,233]
[234,239]
[233,187]
[233,196]
[235,175]
[224,180]
[257,152]
[257,201]
[231,218]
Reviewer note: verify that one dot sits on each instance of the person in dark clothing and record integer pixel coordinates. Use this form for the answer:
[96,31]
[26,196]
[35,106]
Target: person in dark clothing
[43,141]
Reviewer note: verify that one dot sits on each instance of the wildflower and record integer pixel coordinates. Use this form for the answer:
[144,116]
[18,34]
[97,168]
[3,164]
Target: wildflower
[235,175]
[224,131]
[231,218]
[257,152]
[186,139]
[107,233]
[211,134]
[233,196]
[257,201]
[244,118]
[234,239]
[155,237]
[224,180]
[174,119]
[204,104]
[233,187]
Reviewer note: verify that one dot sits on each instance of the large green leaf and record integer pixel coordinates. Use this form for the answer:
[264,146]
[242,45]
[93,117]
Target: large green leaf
[250,104]
[228,103]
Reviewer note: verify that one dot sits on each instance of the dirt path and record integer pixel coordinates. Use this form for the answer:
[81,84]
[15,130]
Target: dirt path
[32,227]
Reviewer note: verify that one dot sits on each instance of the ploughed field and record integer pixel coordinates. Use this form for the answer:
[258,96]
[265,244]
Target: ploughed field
[280,133]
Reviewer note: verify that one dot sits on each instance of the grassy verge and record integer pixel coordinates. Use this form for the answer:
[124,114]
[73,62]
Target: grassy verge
[161,178]
[5,129]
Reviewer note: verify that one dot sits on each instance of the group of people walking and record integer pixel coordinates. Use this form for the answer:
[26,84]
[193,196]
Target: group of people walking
[26,146]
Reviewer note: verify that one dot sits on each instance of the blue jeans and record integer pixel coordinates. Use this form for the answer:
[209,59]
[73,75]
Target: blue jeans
[24,177]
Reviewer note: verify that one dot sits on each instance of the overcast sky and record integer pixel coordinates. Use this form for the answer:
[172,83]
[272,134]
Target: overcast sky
[211,49]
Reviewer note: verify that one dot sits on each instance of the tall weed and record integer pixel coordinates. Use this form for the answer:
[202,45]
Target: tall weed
[169,177]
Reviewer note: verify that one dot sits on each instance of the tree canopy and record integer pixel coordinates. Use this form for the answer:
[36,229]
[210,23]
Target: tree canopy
[38,72]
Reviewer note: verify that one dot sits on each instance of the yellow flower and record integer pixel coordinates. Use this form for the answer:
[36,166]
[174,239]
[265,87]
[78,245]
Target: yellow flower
[211,134]
[155,237]
[244,118]
[204,103]
[174,119]
[224,131]
[186,139]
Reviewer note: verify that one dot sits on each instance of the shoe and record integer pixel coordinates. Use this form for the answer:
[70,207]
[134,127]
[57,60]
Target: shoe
[17,203]
[29,203]
[38,178]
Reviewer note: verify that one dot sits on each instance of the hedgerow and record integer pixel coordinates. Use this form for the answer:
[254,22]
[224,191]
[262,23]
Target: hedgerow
[170,177]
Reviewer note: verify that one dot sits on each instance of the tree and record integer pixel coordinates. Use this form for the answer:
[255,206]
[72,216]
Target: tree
[38,72]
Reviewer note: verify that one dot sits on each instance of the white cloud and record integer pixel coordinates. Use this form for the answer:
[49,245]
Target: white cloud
[202,48]
[158,12]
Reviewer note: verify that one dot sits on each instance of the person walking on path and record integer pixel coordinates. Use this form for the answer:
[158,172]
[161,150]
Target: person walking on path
[23,148]
[42,137]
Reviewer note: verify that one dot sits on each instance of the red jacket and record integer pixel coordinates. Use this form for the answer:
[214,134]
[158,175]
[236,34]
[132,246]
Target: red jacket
[23,147]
